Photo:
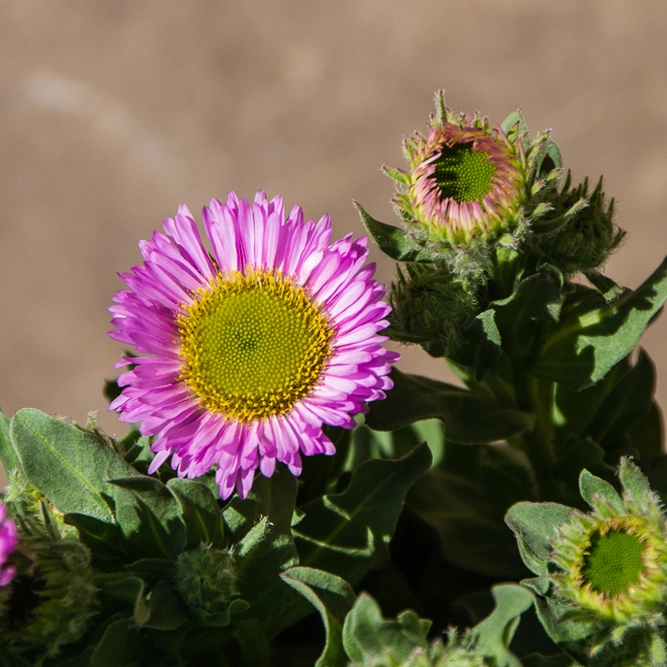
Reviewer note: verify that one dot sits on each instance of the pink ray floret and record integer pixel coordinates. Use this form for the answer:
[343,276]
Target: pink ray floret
[8,541]
[247,237]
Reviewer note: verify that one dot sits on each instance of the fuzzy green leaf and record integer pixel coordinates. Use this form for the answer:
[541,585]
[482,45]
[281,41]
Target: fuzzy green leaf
[69,466]
[549,158]
[590,486]
[469,417]
[369,638]
[149,517]
[533,524]
[588,341]
[342,533]
[635,484]
[495,633]
[394,241]
[515,121]
[572,633]
[333,598]
[200,512]
[9,458]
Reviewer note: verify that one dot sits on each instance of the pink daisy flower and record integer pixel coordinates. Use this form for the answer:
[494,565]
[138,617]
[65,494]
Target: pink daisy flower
[8,540]
[247,351]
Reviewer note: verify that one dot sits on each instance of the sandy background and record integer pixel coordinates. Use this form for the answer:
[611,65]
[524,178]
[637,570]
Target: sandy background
[115,111]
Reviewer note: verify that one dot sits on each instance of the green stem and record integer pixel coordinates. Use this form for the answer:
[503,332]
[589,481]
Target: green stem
[535,395]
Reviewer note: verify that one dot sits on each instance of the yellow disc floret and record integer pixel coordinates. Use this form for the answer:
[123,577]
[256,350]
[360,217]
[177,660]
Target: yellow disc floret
[252,345]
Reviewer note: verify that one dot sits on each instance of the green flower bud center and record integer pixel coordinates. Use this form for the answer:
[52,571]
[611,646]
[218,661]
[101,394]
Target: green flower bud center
[464,174]
[614,562]
[252,345]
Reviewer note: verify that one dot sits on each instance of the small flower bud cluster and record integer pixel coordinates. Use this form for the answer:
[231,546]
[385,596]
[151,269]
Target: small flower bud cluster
[484,208]
[52,597]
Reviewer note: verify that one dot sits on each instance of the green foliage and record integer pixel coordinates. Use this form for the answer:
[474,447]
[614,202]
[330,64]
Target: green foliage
[343,533]
[469,417]
[67,465]
[593,335]
[372,641]
[394,241]
[333,598]
[164,555]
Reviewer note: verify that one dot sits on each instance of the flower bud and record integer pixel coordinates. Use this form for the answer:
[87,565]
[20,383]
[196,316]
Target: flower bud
[52,598]
[206,580]
[467,180]
[585,234]
[610,565]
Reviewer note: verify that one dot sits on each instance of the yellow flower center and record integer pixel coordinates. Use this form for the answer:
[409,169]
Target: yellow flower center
[252,345]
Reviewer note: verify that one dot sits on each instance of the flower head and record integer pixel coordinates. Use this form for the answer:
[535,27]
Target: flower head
[8,540]
[612,561]
[247,351]
[602,575]
[466,179]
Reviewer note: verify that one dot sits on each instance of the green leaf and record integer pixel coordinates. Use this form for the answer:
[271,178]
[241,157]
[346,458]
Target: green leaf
[149,517]
[647,435]
[200,513]
[533,524]
[591,338]
[548,158]
[368,637]
[465,499]
[333,598]
[590,486]
[161,609]
[122,587]
[515,121]
[342,533]
[152,570]
[605,285]
[577,455]
[397,175]
[635,484]
[484,335]
[574,410]
[261,528]
[9,458]
[120,645]
[69,466]
[570,633]
[469,417]
[495,633]
[102,538]
[629,401]
[537,297]
[394,241]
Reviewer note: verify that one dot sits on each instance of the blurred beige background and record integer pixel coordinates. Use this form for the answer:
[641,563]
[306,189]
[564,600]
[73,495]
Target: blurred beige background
[115,111]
